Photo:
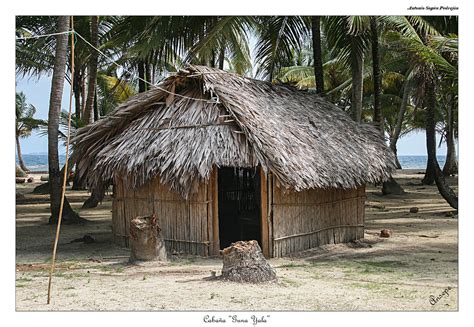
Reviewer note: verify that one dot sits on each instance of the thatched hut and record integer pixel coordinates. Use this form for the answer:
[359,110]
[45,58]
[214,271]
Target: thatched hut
[220,158]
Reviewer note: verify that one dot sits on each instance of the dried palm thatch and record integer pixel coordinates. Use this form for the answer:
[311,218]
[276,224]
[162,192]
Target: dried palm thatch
[305,141]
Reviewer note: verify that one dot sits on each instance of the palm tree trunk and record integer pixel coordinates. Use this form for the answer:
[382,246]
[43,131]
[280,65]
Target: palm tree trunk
[141,75]
[77,94]
[96,107]
[451,165]
[77,185]
[318,60]
[212,60]
[391,186]
[20,157]
[221,58]
[57,86]
[19,172]
[401,116]
[97,195]
[83,91]
[429,177]
[446,192]
[89,107]
[378,119]
[147,72]
[357,87]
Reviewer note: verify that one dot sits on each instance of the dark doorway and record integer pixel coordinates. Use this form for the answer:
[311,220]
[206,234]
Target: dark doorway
[239,205]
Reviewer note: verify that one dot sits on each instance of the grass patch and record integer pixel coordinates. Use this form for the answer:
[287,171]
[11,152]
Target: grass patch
[384,264]
[106,268]
[24,279]
[317,276]
[367,286]
[40,274]
[325,263]
[290,282]
[372,267]
[112,268]
[292,265]
[182,261]
[71,275]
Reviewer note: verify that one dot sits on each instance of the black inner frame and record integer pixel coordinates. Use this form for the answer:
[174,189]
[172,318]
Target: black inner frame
[239,205]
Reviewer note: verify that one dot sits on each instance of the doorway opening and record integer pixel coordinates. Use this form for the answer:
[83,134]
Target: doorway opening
[239,205]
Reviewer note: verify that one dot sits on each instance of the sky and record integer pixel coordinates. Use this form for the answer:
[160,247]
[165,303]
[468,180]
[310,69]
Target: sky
[37,92]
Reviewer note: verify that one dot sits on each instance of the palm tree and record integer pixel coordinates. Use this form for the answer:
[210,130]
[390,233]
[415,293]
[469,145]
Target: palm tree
[397,131]
[391,186]
[451,166]
[25,123]
[376,75]
[349,36]
[433,66]
[278,37]
[34,56]
[57,85]
[92,69]
[447,193]
[318,60]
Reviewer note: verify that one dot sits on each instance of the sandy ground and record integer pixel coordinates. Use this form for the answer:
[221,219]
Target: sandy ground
[399,273]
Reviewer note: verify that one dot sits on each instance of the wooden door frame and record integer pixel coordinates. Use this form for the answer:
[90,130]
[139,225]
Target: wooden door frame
[264,203]
[214,200]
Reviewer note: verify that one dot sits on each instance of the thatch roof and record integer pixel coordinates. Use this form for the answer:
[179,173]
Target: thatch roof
[301,138]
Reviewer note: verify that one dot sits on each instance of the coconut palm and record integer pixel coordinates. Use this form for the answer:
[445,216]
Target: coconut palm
[433,68]
[92,69]
[57,85]
[25,123]
[449,100]
[155,45]
[317,53]
[35,56]
[349,36]
[278,37]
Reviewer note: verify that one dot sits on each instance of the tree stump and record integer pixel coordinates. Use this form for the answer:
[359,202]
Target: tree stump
[145,240]
[245,263]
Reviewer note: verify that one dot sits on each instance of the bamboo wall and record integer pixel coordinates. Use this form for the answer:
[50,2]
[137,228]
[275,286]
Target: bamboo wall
[186,225]
[291,221]
[303,220]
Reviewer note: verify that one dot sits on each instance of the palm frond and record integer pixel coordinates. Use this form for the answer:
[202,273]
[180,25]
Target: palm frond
[277,37]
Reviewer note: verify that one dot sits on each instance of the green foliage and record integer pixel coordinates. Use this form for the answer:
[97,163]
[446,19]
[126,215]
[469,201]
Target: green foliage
[278,37]
[411,48]
[25,122]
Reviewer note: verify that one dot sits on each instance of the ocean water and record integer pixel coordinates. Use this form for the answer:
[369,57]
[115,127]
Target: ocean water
[418,162]
[39,162]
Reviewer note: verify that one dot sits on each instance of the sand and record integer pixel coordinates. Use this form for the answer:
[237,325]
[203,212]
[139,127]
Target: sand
[416,266]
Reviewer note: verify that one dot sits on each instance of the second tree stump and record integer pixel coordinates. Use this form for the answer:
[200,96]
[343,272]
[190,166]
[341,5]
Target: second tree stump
[244,262]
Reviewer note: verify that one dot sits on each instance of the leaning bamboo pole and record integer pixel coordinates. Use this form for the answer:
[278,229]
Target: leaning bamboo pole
[63,191]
